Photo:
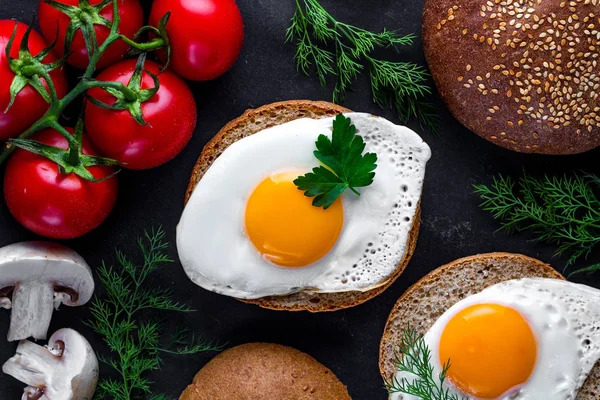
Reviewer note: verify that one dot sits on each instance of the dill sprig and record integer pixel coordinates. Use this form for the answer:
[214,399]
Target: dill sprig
[413,356]
[563,211]
[344,51]
[118,316]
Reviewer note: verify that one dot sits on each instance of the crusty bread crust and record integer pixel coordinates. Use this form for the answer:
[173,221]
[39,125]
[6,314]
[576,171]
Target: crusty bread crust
[512,76]
[424,302]
[263,371]
[253,121]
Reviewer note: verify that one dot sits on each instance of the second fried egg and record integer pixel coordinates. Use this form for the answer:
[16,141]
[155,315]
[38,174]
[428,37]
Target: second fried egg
[525,339]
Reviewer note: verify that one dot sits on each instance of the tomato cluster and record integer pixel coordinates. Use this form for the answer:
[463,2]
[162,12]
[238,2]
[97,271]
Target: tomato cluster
[145,123]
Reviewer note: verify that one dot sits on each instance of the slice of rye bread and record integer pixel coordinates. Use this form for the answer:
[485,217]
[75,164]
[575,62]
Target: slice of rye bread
[254,121]
[424,302]
[262,371]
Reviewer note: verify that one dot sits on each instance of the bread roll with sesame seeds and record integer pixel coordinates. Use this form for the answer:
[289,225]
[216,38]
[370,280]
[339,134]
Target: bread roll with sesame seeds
[523,74]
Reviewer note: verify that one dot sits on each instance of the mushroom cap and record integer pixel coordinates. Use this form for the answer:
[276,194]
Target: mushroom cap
[47,261]
[65,369]
[81,358]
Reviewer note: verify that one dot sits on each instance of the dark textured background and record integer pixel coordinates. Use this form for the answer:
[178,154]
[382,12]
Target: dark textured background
[346,341]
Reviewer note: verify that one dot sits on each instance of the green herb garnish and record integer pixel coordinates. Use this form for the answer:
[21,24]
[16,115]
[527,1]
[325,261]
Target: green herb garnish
[413,356]
[563,211]
[135,342]
[341,50]
[344,165]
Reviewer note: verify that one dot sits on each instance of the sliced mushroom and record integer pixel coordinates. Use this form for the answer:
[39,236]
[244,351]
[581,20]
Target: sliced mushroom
[65,369]
[35,278]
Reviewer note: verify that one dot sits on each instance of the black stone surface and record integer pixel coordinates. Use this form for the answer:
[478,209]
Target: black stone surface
[346,341]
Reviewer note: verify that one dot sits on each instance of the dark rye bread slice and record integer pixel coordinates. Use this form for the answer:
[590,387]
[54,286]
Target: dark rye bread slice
[262,371]
[521,74]
[254,121]
[424,302]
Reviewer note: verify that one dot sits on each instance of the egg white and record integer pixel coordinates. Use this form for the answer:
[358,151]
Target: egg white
[565,318]
[211,240]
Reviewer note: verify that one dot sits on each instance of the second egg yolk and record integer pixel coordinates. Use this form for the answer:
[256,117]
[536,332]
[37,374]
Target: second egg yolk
[491,348]
[285,227]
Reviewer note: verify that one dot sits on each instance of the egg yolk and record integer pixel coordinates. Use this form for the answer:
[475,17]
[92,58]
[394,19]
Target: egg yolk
[491,349]
[285,227]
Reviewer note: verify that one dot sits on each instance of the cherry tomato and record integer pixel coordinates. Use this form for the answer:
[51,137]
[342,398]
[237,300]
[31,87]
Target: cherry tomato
[206,35]
[54,24]
[29,106]
[170,115]
[53,204]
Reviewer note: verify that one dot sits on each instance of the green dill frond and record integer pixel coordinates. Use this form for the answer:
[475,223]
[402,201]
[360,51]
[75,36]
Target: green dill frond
[586,270]
[155,396]
[342,51]
[563,211]
[184,342]
[413,357]
[347,70]
[134,341]
[402,86]
[109,388]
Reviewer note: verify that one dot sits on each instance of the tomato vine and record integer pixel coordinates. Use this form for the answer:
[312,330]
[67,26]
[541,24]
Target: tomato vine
[73,159]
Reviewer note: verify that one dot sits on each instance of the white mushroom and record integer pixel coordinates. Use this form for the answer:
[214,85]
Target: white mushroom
[35,278]
[65,369]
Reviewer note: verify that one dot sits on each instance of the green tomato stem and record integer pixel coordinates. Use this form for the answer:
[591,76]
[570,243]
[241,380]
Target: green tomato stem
[42,124]
[50,119]
[57,106]
[51,88]
[128,94]
[74,145]
[154,44]
[29,71]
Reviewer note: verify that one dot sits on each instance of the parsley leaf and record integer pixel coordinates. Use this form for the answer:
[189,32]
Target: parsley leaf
[344,165]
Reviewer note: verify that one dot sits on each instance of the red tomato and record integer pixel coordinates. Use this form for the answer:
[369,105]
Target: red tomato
[206,35]
[170,114]
[132,18]
[52,204]
[29,106]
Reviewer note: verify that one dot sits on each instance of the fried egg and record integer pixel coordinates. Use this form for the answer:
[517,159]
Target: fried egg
[528,339]
[249,232]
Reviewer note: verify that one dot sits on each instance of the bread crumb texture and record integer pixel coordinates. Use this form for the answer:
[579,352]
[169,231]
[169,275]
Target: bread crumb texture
[523,74]
[262,371]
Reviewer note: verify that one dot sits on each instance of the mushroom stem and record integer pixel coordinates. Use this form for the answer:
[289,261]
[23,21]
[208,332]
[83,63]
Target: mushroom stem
[5,303]
[31,365]
[32,306]
[65,369]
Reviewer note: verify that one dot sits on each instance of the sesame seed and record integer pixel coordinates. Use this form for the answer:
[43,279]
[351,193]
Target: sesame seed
[550,64]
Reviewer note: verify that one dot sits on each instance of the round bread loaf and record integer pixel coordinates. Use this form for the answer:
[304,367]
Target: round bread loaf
[262,371]
[256,120]
[523,74]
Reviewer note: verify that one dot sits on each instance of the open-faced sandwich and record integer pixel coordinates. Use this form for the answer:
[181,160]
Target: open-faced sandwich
[279,213]
[261,371]
[495,326]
